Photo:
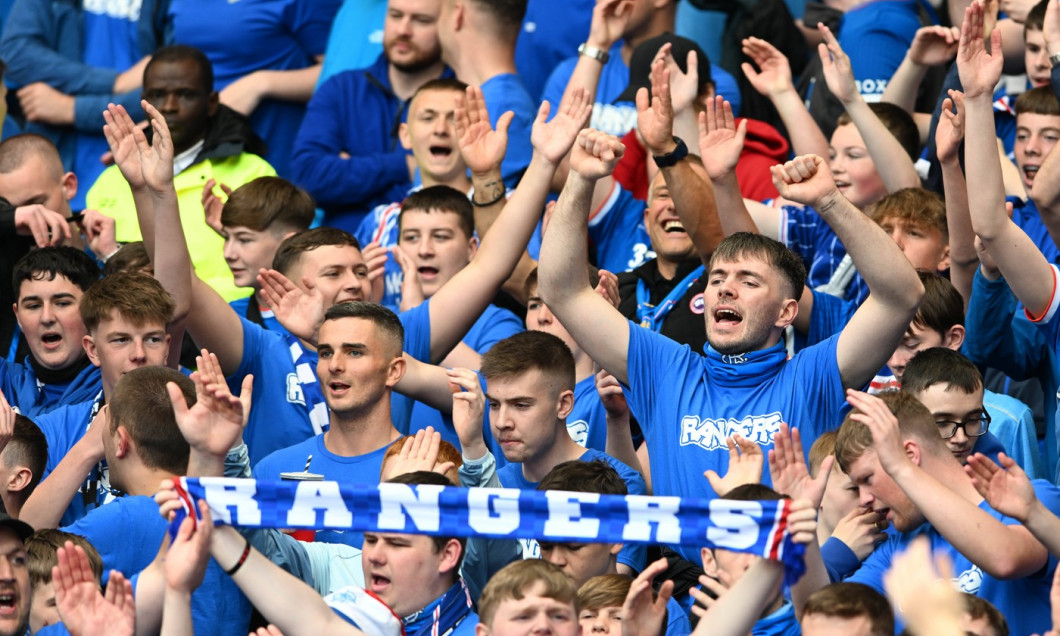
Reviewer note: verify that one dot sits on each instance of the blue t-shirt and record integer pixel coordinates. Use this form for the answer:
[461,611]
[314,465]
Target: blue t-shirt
[502,93]
[126,532]
[381,226]
[804,231]
[1025,215]
[613,118]
[780,623]
[876,35]
[62,428]
[688,404]
[631,554]
[829,315]
[280,35]
[362,469]
[31,397]
[356,38]
[676,619]
[268,319]
[618,234]
[1023,602]
[587,422]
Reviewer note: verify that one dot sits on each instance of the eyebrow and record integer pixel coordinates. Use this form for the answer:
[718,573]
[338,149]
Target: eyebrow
[740,272]
[59,296]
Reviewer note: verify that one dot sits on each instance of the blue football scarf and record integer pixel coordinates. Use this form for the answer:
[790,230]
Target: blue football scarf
[743,370]
[652,316]
[758,527]
[309,384]
[443,615]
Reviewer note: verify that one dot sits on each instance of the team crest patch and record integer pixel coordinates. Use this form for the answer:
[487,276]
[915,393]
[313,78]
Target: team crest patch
[697,305]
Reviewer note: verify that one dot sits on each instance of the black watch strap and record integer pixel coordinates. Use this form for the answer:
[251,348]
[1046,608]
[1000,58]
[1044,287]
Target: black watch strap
[670,159]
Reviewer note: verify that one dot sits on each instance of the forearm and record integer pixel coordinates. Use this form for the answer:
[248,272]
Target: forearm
[733,215]
[694,199]
[890,158]
[901,90]
[1004,552]
[815,578]
[736,611]
[201,464]
[963,257]
[176,613]
[1045,526]
[45,507]
[620,442]
[294,607]
[561,267]
[489,187]
[173,264]
[290,86]
[984,169]
[806,136]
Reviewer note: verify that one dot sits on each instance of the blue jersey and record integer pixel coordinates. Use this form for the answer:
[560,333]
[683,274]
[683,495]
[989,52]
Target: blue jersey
[618,234]
[614,118]
[1025,215]
[356,38]
[1012,423]
[876,35]
[688,404]
[502,93]
[279,35]
[362,469]
[587,422]
[780,623]
[268,319]
[633,554]
[381,226]
[804,231]
[676,620]
[62,428]
[31,397]
[1023,602]
[827,317]
[495,324]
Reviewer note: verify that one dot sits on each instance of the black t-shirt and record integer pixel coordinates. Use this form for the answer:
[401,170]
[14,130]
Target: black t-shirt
[684,323]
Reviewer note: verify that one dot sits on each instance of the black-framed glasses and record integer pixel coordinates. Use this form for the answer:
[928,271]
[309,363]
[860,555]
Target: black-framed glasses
[973,427]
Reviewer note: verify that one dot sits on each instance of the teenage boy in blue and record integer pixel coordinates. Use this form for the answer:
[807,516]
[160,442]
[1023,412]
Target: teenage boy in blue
[691,404]
[478,42]
[48,285]
[891,449]
[127,315]
[347,153]
[530,393]
[144,446]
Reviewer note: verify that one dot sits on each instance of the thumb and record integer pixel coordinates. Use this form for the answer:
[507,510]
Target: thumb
[741,131]
[715,482]
[505,121]
[176,398]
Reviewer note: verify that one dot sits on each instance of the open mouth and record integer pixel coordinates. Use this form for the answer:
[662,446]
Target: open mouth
[51,338]
[842,184]
[727,317]
[379,582]
[427,272]
[7,602]
[1030,171]
[338,387]
[673,227]
[441,152]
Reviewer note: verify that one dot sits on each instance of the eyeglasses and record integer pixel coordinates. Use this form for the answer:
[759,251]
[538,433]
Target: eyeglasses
[973,427]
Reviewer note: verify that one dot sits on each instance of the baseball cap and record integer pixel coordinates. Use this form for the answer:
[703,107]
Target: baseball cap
[21,528]
[640,63]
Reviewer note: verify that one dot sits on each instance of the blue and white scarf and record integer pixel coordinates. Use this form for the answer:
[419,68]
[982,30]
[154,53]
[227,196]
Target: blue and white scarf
[758,527]
[308,383]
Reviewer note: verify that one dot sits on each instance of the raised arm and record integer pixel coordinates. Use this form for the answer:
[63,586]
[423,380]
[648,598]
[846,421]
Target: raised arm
[1028,272]
[891,160]
[459,303]
[1002,551]
[720,145]
[932,46]
[875,330]
[693,196]
[948,137]
[773,80]
[563,280]
[1009,491]
[609,20]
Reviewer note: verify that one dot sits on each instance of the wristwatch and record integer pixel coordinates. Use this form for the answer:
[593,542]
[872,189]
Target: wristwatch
[1054,60]
[591,51]
[670,159]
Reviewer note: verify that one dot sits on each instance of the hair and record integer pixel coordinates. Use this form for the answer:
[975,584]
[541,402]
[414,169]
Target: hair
[506,14]
[529,350]
[821,449]
[131,257]
[15,151]
[27,447]
[440,84]
[851,600]
[141,405]
[914,420]
[941,365]
[428,478]
[1038,101]
[942,307]
[898,122]
[604,590]
[269,203]
[291,249]
[440,198]
[749,245]
[531,279]
[386,322]
[48,262]
[181,53]
[516,579]
[753,492]
[1035,20]
[135,297]
[596,476]
[446,452]
[980,608]
[42,549]
[916,206]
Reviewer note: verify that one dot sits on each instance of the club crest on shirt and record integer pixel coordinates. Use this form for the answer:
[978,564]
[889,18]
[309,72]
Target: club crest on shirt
[579,431]
[697,305]
[711,434]
[970,580]
[294,390]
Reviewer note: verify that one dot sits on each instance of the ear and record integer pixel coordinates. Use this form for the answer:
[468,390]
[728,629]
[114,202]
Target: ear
[482,630]
[944,262]
[449,556]
[472,247]
[396,371]
[403,136]
[19,479]
[215,101]
[124,444]
[565,404]
[912,451]
[710,565]
[616,548]
[458,16]
[89,344]
[169,340]
[954,337]
[69,182]
[788,311]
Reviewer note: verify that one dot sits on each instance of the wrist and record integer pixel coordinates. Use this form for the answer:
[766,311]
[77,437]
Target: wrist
[664,147]
[827,202]
[1035,514]
[473,450]
[593,51]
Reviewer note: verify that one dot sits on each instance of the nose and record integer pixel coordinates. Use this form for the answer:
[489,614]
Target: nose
[865,498]
[1034,145]
[138,352]
[404,25]
[47,315]
[353,283]
[229,251]
[897,362]
[555,556]
[544,315]
[170,103]
[7,573]
[425,247]
[601,624]
[837,164]
[896,236]
[959,437]
[1041,60]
